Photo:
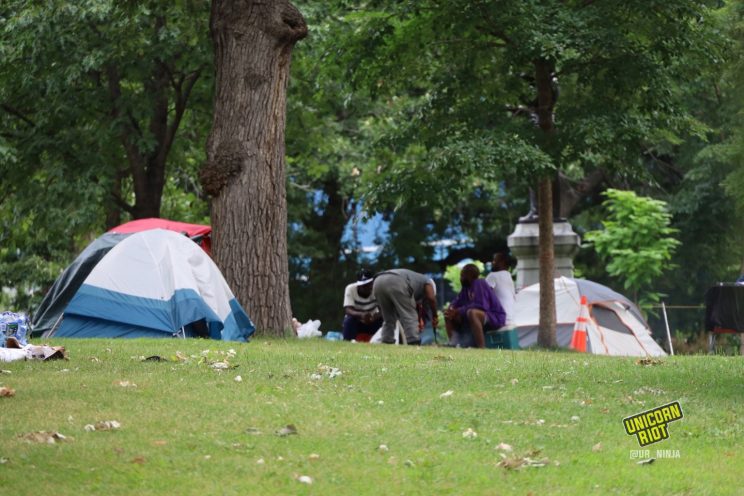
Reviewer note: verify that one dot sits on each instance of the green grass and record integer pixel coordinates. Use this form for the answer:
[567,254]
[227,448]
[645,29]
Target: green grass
[189,429]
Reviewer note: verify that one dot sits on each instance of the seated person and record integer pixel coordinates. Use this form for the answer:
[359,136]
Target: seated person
[363,317]
[475,310]
[501,281]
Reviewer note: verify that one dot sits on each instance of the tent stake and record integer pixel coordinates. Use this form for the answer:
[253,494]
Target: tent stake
[666,322]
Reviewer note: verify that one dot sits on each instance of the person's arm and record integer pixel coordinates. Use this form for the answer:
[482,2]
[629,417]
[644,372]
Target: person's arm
[431,299]
[353,312]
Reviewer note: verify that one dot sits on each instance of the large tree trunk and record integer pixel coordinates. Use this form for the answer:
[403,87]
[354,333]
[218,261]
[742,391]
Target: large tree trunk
[546,98]
[245,168]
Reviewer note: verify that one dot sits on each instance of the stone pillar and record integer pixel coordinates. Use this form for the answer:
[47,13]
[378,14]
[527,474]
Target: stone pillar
[523,243]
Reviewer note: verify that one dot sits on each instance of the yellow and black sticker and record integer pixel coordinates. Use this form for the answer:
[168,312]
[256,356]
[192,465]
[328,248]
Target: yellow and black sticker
[651,426]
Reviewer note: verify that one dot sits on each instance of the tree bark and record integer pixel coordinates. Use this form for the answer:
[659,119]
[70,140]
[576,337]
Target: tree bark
[546,337]
[546,98]
[245,169]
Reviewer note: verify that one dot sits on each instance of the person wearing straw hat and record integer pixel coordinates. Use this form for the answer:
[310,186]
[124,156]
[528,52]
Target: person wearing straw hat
[363,316]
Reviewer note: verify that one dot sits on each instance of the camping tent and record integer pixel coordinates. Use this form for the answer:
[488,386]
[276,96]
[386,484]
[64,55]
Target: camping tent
[49,313]
[154,283]
[200,234]
[615,327]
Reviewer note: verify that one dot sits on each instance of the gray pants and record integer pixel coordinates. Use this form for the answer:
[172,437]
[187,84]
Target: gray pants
[394,295]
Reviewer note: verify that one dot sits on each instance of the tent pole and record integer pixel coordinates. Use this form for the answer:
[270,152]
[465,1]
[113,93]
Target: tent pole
[666,323]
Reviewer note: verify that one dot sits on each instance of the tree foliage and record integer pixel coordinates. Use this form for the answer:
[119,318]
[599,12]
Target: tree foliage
[636,242]
[93,96]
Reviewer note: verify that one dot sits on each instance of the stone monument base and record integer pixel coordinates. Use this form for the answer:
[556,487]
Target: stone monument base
[524,245]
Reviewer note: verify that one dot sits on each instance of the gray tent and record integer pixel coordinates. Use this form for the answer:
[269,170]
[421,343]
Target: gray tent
[615,327]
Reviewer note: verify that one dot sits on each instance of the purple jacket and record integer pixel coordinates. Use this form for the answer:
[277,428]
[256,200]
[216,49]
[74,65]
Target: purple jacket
[481,296]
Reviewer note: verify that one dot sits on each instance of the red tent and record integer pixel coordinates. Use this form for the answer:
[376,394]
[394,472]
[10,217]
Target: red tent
[201,234]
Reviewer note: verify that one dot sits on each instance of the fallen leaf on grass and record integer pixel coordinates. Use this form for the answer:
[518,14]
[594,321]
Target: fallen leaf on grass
[3,461]
[383,448]
[154,358]
[103,425]
[6,392]
[238,379]
[314,456]
[446,394]
[514,382]
[504,447]
[287,430]
[649,361]
[443,358]
[125,384]
[44,437]
[139,460]
[331,372]
[518,462]
[159,442]
[649,390]
[597,447]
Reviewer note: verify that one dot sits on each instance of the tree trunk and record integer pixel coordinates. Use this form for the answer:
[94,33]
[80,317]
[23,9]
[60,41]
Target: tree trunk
[546,337]
[245,168]
[546,98]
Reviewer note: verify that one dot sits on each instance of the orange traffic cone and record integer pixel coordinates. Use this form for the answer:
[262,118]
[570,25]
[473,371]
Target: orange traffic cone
[578,340]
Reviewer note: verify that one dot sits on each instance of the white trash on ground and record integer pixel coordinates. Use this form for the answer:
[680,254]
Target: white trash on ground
[310,329]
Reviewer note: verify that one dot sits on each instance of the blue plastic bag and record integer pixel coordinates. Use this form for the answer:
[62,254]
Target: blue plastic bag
[13,325]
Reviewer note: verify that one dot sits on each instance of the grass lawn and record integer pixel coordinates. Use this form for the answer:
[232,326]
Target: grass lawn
[395,421]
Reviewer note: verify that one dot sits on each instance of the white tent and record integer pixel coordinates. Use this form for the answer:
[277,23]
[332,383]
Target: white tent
[155,283]
[615,327]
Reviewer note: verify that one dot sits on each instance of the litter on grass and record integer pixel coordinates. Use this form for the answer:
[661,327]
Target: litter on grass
[104,425]
[44,437]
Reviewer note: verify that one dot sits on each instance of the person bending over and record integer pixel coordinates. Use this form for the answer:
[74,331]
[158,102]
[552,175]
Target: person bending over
[397,292]
[475,310]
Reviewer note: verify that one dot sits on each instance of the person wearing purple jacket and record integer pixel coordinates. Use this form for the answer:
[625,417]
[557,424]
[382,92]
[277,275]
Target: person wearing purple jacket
[476,309]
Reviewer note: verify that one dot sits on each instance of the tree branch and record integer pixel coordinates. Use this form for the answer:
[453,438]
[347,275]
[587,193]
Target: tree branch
[181,101]
[135,159]
[17,113]
[121,203]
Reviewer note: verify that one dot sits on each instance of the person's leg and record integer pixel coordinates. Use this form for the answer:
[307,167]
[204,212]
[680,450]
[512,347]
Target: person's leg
[408,317]
[400,297]
[450,325]
[476,322]
[351,327]
[382,290]
[366,331]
